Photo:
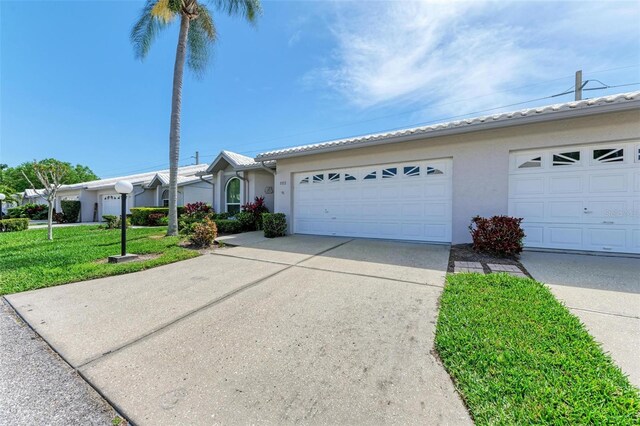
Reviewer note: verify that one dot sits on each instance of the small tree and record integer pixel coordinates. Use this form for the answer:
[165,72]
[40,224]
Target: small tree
[50,177]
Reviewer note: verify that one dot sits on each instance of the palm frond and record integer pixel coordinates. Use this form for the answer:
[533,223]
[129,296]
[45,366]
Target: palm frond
[163,12]
[202,35]
[146,29]
[249,9]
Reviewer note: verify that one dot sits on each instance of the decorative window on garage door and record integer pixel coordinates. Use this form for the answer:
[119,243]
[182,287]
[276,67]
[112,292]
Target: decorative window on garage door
[566,158]
[434,171]
[305,180]
[349,178]
[389,173]
[531,163]
[412,171]
[608,155]
[371,176]
[333,177]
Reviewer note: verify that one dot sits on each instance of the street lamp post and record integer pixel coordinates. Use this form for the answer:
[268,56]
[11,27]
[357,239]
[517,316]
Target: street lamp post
[123,188]
[2,197]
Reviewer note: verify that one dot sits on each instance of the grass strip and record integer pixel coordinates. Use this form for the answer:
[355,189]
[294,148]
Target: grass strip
[518,356]
[29,261]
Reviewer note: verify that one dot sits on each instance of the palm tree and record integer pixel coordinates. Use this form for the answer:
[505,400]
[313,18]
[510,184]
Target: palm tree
[196,37]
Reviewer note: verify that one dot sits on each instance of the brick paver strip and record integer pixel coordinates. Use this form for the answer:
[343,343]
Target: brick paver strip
[503,268]
[472,265]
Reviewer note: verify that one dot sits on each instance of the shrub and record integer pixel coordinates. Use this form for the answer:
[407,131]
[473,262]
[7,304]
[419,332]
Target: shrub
[140,215]
[58,217]
[36,211]
[153,219]
[198,209]
[113,222]
[12,225]
[498,235]
[16,212]
[31,211]
[228,226]
[222,215]
[255,209]
[204,233]
[70,210]
[247,221]
[274,224]
[163,221]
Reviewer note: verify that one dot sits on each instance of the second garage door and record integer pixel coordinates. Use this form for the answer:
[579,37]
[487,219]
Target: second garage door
[579,198]
[403,201]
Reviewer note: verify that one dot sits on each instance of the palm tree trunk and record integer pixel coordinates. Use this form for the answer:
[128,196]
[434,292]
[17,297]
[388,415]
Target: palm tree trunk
[174,131]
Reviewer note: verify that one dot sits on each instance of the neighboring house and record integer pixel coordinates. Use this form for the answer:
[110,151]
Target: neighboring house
[33,196]
[571,170]
[99,198]
[239,179]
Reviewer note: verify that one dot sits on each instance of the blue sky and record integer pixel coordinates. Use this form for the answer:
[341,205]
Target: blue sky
[70,87]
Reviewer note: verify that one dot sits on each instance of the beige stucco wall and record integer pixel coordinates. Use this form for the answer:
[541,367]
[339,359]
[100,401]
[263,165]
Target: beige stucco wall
[261,185]
[480,160]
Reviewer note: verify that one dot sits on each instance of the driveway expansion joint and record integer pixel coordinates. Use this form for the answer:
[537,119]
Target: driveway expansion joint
[209,304]
[604,313]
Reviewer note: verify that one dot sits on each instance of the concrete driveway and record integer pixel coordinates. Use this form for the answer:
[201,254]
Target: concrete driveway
[312,330]
[604,292]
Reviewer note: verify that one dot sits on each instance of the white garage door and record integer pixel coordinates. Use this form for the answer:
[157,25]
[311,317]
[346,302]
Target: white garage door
[405,201]
[111,205]
[580,198]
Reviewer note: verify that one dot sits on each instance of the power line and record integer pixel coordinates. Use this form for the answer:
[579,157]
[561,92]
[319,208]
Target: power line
[442,119]
[421,108]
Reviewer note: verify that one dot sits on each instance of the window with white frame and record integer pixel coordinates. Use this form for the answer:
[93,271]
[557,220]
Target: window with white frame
[608,155]
[232,194]
[165,198]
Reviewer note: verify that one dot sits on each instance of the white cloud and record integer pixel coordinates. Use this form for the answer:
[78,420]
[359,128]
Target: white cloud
[389,53]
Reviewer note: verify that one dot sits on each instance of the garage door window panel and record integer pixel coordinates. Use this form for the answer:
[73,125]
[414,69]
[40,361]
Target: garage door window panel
[305,180]
[318,178]
[434,171]
[535,162]
[389,173]
[571,158]
[371,176]
[412,171]
[349,178]
[608,155]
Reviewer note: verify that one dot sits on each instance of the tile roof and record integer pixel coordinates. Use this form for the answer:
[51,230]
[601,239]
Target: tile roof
[137,179]
[620,101]
[237,161]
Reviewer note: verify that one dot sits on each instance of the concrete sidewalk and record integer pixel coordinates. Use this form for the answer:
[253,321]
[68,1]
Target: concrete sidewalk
[604,292]
[284,331]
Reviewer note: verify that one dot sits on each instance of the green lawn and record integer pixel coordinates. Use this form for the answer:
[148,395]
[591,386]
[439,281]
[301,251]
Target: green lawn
[518,356]
[29,261]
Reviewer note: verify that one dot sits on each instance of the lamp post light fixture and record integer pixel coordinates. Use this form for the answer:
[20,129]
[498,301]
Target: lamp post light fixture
[2,197]
[123,188]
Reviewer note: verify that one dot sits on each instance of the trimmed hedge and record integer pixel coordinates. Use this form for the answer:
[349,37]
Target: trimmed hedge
[12,225]
[274,224]
[228,226]
[30,210]
[140,215]
[70,210]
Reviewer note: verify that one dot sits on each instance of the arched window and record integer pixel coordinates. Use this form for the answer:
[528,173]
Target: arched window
[232,194]
[165,198]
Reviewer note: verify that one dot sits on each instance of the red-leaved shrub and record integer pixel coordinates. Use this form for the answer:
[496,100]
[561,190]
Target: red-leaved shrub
[204,233]
[498,235]
[154,219]
[197,209]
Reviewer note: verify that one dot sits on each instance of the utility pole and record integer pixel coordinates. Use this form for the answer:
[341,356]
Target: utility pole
[197,158]
[578,90]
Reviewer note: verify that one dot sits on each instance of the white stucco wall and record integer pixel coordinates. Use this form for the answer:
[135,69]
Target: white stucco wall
[480,160]
[197,191]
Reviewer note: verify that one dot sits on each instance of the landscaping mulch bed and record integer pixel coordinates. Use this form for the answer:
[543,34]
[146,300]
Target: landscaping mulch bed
[465,253]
